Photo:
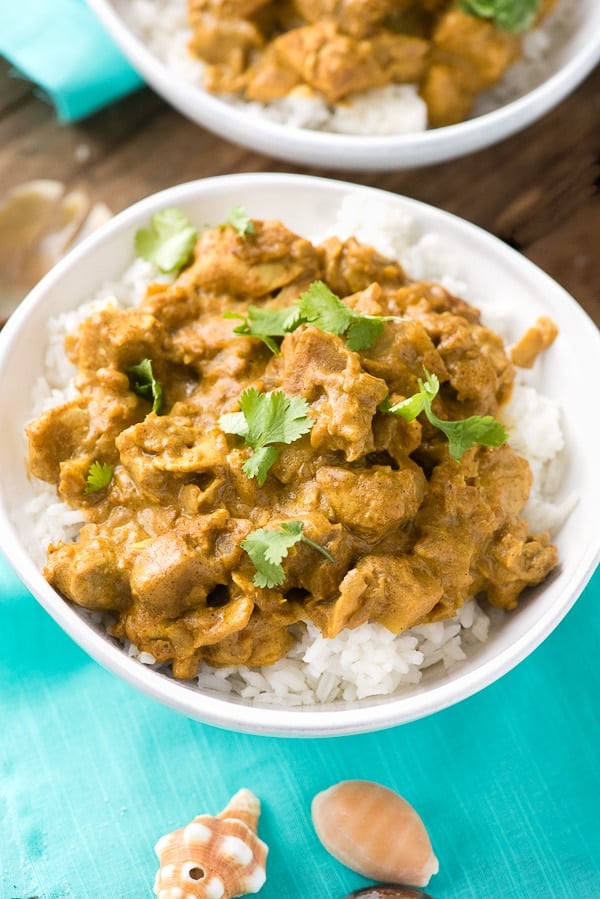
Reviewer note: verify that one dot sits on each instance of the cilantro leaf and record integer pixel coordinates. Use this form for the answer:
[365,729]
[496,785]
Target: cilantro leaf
[317,306]
[168,242]
[320,307]
[482,8]
[411,407]
[508,15]
[99,476]
[483,430]
[145,385]
[260,462]
[265,324]
[239,219]
[363,332]
[264,419]
[234,423]
[274,417]
[267,547]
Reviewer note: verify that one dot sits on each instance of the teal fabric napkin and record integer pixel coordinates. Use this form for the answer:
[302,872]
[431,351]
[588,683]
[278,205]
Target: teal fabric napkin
[92,773]
[62,48]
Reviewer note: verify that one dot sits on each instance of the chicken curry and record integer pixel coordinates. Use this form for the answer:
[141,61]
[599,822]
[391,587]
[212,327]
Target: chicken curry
[263,50]
[384,521]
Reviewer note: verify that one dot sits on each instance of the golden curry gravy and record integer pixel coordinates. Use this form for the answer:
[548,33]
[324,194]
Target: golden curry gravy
[265,49]
[413,533]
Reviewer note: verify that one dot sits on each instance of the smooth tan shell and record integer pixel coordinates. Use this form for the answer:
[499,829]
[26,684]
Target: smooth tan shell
[374,831]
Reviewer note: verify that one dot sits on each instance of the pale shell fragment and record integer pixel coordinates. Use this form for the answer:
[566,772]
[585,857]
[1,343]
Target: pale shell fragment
[375,832]
[39,221]
[214,857]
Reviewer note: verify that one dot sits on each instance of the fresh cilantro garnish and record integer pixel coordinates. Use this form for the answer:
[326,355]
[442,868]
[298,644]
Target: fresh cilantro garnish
[145,384]
[239,219]
[320,307]
[168,242]
[317,306]
[477,430]
[509,15]
[268,546]
[265,419]
[481,430]
[98,477]
[265,324]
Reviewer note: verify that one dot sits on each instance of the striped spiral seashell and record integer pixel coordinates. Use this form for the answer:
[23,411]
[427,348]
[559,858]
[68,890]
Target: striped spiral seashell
[214,857]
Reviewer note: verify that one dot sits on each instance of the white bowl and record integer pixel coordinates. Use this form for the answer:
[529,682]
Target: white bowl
[495,273]
[576,56]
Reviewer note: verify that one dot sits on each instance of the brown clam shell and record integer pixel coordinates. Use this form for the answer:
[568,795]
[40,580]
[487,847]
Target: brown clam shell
[388,892]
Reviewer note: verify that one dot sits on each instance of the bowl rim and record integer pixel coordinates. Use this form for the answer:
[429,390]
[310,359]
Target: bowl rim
[341,151]
[314,721]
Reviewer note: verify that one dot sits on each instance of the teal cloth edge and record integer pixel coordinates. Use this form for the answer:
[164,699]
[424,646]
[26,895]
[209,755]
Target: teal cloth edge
[61,47]
[92,773]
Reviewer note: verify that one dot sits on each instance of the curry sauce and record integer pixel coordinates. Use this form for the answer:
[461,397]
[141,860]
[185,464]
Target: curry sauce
[410,531]
[266,49]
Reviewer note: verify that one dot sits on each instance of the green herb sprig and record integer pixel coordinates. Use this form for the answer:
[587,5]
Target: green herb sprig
[265,419]
[265,324]
[169,241]
[267,547]
[239,219]
[144,383]
[482,430]
[99,476]
[317,306]
[320,307]
[509,15]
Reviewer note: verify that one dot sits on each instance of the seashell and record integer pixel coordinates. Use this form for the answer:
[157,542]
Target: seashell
[388,892]
[214,857]
[39,221]
[374,831]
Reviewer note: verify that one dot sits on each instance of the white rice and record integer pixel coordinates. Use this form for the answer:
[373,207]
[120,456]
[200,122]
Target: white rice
[369,660]
[394,109]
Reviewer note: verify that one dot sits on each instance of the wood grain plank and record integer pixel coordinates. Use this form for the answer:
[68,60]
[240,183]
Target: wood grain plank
[537,190]
[569,254]
[14,90]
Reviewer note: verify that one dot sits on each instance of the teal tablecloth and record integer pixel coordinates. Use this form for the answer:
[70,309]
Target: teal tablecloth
[61,47]
[92,773]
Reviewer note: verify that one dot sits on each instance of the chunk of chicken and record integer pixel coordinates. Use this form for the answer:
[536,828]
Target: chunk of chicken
[351,266]
[343,398]
[372,501]
[515,560]
[160,449]
[469,55]
[55,436]
[117,339]
[353,17]
[338,65]
[533,342]
[394,591]
[90,572]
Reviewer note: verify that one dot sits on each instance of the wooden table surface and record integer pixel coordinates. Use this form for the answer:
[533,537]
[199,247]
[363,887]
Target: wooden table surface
[538,190]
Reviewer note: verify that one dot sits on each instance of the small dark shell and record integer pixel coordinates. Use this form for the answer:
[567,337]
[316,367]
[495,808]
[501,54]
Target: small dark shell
[388,892]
